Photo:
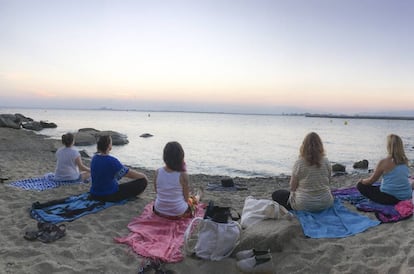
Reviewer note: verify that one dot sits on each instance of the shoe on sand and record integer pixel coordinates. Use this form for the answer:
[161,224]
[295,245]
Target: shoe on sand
[244,254]
[256,264]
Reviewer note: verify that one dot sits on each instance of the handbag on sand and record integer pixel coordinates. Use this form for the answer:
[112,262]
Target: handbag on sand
[211,240]
[256,210]
[220,214]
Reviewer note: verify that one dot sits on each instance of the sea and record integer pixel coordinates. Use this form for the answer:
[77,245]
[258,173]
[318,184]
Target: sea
[234,145]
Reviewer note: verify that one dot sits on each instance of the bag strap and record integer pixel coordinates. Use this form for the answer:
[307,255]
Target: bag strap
[189,250]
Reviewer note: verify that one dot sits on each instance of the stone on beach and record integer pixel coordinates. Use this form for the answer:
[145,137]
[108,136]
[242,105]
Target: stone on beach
[89,136]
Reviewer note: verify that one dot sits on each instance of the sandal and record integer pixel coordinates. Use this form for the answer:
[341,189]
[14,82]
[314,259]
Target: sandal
[47,232]
[32,235]
[55,233]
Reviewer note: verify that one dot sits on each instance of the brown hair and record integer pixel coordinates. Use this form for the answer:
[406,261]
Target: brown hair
[312,149]
[173,156]
[103,143]
[67,139]
[395,149]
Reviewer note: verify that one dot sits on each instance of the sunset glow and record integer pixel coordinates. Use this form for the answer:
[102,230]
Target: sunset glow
[320,56]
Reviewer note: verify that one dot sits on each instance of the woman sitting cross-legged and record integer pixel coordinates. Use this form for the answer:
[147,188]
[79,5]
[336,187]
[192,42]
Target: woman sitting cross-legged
[310,181]
[106,171]
[395,185]
[171,185]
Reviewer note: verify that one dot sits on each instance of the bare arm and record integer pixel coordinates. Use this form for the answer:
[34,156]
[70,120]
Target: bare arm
[184,184]
[135,175]
[80,165]
[379,170]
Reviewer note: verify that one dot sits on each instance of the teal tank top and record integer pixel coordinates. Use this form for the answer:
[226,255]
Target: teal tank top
[396,183]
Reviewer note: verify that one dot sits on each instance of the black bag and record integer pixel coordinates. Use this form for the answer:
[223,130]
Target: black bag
[219,214]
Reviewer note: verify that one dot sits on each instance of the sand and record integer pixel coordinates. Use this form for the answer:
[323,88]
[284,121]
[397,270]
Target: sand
[88,246]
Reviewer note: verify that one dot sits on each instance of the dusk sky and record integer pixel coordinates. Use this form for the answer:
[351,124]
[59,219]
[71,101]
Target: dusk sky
[259,56]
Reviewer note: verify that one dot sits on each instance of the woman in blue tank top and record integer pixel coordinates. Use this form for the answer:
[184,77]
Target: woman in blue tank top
[395,185]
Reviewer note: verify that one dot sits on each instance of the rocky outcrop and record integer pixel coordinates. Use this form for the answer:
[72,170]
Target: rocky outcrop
[363,164]
[146,135]
[9,120]
[18,121]
[89,136]
[37,126]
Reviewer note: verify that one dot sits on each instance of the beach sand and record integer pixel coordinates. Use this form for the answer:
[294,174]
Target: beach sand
[88,246]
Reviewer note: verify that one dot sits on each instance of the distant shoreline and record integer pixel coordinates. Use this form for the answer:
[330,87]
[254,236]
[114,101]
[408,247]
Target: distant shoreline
[379,117]
[409,116]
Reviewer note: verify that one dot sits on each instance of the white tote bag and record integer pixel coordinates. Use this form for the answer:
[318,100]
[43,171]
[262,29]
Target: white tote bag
[256,210]
[211,240]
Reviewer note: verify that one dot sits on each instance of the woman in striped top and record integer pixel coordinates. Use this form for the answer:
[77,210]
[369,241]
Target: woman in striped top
[310,180]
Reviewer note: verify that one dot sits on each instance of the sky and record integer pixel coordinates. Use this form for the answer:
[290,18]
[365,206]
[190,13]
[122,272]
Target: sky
[252,56]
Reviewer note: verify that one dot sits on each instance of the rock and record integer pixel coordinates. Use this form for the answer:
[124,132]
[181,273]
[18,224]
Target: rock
[88,129]
[36,126]
[9,120]
[23,118]
[361,164]
[84,154]
[146,135]
[89,136]
[118,139]
[83,138]
[338,168]
[47,124]
[19,120]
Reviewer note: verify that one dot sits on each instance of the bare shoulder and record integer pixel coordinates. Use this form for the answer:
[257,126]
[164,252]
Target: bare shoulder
[386,164]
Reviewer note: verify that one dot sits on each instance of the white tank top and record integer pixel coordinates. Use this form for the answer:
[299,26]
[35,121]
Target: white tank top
[170,197]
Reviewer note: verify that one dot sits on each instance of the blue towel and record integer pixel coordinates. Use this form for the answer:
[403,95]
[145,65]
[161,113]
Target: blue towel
[68,209]
[42,183]
[334,222]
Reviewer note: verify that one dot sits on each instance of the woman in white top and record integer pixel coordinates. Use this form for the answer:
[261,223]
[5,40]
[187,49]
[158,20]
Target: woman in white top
[173,198]
[69,166]
[310,181]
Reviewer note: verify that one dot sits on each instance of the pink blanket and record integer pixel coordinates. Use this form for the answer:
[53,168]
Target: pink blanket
[159,238]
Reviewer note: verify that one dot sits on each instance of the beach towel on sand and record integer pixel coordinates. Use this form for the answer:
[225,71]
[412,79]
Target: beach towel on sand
[334,222]
[42,183]
[68,209]
[156,237]
[384,213]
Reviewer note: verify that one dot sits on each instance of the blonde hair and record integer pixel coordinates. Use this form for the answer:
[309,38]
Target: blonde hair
[395,149]
[312,149]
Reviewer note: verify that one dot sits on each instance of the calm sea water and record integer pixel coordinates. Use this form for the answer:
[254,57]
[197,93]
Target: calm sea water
[230,144]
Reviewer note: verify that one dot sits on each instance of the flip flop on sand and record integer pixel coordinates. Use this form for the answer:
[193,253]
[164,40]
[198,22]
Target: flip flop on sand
[47,233]
[32,235]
